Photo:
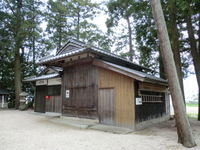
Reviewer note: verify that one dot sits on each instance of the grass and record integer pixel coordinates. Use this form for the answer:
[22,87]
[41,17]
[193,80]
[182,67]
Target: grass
[192,116]
[192,104]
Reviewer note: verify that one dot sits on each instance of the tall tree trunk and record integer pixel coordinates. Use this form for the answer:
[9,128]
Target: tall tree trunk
[194,53]
[183,126]
[175,44]
[161,67]
[199,36]
[78,24]
[130,40]
[60,36]
[33,41]
[17,67]
[199,58]
[17,74]
[34,55]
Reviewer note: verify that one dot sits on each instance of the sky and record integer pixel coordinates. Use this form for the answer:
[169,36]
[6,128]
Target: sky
[190,87]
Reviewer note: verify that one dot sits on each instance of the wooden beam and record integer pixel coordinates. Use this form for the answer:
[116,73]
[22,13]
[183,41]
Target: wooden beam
[77,61]
[151,87]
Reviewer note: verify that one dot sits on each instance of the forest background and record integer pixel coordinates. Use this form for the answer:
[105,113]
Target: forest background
[31,29]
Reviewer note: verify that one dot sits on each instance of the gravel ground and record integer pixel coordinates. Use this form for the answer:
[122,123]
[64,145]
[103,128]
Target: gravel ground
[20,130]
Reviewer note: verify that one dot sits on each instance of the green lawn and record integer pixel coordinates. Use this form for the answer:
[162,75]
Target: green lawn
[192,104]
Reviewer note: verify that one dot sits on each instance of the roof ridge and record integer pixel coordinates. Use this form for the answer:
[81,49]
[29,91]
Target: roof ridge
[71,40]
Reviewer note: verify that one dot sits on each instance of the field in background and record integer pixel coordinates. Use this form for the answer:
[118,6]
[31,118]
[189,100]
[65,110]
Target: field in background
[191,104]
[192,109]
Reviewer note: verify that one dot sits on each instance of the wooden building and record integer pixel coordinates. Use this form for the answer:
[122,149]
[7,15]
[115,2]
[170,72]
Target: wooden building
[47,90]
[97,84]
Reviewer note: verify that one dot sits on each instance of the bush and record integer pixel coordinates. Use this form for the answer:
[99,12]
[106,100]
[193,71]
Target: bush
[30,104]
[11,103]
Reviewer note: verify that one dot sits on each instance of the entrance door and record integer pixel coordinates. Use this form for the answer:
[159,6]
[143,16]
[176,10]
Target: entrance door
[107,106]
[40,101]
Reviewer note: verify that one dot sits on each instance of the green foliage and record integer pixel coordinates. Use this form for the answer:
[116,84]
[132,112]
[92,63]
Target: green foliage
[121,10]
[11,103]
[30,104]
[19,35]
[72,19]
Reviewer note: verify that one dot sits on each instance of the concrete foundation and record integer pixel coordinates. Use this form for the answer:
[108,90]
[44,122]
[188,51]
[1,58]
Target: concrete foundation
[149,123]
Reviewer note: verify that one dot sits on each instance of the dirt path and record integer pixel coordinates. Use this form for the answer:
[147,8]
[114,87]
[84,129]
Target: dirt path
[20,130]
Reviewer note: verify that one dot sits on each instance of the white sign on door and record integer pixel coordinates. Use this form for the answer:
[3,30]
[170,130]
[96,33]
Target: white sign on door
[67,93]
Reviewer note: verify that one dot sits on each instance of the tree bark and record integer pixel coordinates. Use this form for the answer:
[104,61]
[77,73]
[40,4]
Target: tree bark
[161,66]
[17,74]
[175,44]
[78,24]
[130,40]
[194,53]
[17,69]
[184,131]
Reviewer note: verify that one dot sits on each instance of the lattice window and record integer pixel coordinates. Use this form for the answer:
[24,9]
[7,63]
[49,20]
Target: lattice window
[151,98]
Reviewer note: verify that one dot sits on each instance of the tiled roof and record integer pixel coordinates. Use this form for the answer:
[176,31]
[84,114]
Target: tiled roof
[49,59]
[82,50]
[3,92]
[34,78]
[82,44]
[138,73]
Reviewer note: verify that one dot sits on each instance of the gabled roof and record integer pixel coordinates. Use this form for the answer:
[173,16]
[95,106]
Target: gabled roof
[73,42]
[86,48]
[42,77]
[51,69]
[138,75]
[3,92]
[47,73]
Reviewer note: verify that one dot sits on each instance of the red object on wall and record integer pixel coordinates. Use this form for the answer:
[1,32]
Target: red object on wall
[47,97]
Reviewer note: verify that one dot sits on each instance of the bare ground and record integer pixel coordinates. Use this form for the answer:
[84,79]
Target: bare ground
[20,130]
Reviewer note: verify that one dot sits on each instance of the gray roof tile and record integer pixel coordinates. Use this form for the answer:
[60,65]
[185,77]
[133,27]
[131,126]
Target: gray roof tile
[34,78]
[138,73]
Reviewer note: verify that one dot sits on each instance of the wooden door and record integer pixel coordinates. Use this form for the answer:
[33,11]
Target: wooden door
[40,101]
[107,106]
[80,81]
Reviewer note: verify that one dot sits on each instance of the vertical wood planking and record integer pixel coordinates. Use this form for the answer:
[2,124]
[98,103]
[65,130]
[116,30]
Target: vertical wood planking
[54,104]
[124,96]
[107,106]
[81,80]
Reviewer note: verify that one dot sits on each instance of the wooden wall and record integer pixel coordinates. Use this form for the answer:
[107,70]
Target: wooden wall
[150,110]
[124,96]
[80,80]
[54,104]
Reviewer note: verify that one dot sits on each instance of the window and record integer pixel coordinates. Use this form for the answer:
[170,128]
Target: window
[53,90]
[151,97]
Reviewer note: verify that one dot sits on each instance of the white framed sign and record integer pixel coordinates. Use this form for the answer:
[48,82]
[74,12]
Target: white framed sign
[67,93]
[138,101]
[54,81]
